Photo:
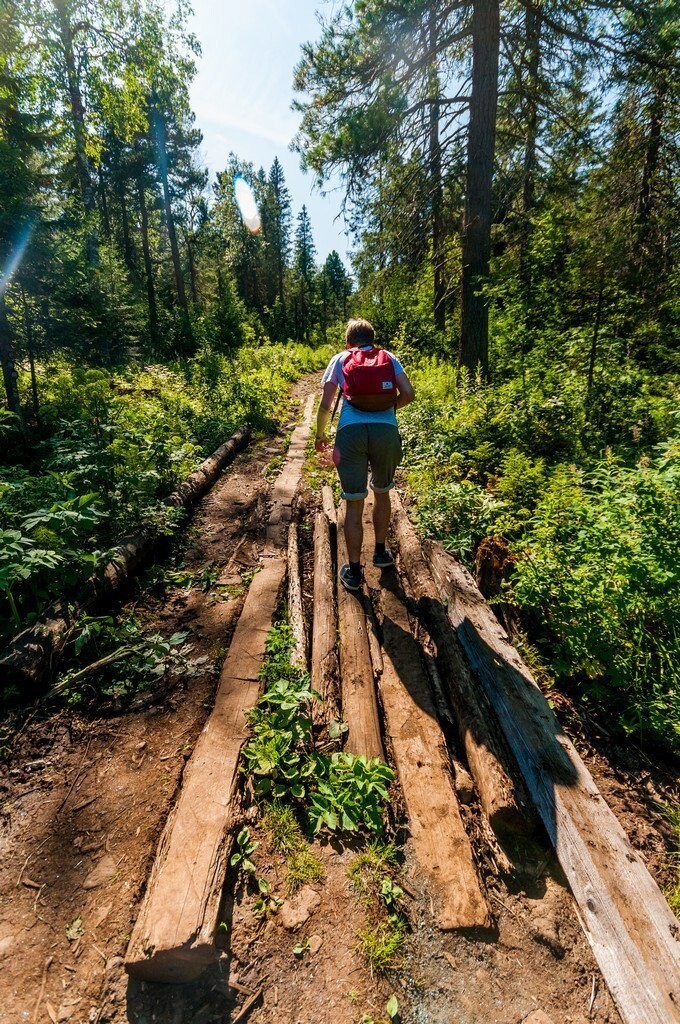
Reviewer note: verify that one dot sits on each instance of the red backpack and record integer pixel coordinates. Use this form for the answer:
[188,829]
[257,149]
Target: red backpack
[370,381]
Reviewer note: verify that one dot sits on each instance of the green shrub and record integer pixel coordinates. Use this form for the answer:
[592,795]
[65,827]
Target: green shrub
[600,563]
[115,443]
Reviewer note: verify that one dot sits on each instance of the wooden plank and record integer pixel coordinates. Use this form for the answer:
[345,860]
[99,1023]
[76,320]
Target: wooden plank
[490,761]
[295,614]
[325,665]
[359,704]
[440,842]
[329,504]
[633,933]
[172,939]
[286,484]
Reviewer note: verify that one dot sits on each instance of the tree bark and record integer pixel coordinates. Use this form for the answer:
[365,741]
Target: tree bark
[474,337]
[30,349]
[148,266]
[436,192]
[533,19]
[629,925]
[9,370]
[162,164]
[128,251]
[77,106]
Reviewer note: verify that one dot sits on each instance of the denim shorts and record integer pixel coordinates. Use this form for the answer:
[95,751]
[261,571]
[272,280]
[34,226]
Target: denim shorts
[360,445]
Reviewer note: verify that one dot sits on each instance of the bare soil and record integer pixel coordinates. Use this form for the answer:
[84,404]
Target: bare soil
[84,801]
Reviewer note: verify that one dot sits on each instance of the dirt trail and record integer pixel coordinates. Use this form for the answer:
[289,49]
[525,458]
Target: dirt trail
[84,802]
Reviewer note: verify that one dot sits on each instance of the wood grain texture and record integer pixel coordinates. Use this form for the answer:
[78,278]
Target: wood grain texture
[440,842]
[173,937]
[329,504]
[325,663]
[359,703]
[633,933]
[489,760]
[295,613]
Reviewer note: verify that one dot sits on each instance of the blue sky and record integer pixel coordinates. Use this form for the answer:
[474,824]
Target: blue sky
[243,91]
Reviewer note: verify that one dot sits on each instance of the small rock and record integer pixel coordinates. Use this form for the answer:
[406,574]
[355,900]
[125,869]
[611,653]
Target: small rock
[544,931]
[314,944]
[102,915]
[538,1017]
[298,909]
[6,946]
[104,871]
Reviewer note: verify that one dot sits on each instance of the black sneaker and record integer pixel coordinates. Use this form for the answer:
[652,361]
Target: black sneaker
[350,579]
[383,559]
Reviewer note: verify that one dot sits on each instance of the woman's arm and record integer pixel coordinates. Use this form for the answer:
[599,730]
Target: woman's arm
[405,388]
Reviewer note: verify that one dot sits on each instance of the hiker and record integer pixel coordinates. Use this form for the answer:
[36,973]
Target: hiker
[374,386]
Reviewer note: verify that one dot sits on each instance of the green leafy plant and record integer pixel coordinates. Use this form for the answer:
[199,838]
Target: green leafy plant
[126,659]
[340,792]
[245,847]
[266,903]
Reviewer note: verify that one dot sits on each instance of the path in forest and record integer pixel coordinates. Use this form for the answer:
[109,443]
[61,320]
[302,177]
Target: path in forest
[87,801]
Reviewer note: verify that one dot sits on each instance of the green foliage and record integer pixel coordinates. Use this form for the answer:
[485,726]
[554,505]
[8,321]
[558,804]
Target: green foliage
[285,834]
[381,944]
[117,660]
[116,443]
[241,856]
[588,498]
[601,561]
[337,791]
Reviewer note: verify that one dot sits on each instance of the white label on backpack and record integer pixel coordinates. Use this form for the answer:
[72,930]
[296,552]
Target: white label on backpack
[386,385]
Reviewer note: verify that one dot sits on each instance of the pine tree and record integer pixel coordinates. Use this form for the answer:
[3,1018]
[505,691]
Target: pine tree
[304,265]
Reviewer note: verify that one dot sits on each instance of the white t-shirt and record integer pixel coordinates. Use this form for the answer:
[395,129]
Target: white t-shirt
[349,414]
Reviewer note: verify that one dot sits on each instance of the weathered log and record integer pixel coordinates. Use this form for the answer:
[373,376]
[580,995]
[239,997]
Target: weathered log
[328,504]
[487,755]
[295,614]
[286,484]
[440,843]
[359,703]
[325,665]
[33,655]
[633,933]
[173,937]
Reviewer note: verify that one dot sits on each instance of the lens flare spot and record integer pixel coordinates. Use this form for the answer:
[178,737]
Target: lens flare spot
[245,199]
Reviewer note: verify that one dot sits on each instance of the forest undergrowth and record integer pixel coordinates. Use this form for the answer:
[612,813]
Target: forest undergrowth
[585,491]
[111,444]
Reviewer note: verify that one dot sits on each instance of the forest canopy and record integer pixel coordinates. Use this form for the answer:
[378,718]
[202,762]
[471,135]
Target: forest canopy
[510,175]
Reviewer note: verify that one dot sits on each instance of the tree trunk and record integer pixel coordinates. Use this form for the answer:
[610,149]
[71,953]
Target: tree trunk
[645,201]
[128,251]
[193,278]
[474,337]
[596,332]
[79,132]
[9,371]
[148,266]
[533,19]
[30,348]
[436,193]
[104,207]
[162,163]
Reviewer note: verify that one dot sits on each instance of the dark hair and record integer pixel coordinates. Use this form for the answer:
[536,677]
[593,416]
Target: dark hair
[359,332]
